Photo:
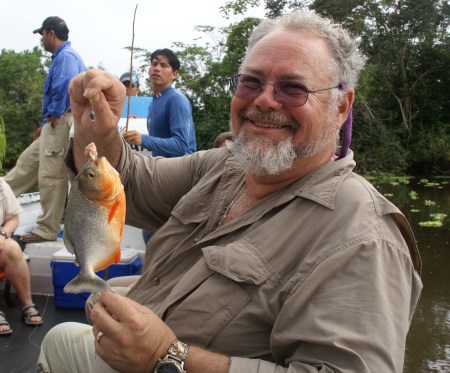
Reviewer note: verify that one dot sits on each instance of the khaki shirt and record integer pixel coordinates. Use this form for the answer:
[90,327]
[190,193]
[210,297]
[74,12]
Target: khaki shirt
[315,277]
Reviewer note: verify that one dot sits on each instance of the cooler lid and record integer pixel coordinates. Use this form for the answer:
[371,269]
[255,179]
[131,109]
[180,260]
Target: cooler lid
[126,256]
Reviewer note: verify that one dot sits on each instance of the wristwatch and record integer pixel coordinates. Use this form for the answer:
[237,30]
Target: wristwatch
[4,234]
[173,362]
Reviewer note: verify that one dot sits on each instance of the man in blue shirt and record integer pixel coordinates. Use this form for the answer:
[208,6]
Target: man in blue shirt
[43,161]
[169,121]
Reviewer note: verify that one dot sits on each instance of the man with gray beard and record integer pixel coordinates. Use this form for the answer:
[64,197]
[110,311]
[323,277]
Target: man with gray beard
[270,256]
[258,155]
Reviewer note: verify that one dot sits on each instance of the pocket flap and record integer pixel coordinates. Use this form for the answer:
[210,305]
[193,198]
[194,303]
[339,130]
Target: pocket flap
[238,261]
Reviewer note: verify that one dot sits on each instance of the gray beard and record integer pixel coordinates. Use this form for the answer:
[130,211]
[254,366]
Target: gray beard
[257,155]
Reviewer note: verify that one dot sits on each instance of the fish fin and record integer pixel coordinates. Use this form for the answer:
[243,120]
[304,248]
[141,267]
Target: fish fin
[70,248]
[117,207]
[114,258]
[90,284]
[117,256]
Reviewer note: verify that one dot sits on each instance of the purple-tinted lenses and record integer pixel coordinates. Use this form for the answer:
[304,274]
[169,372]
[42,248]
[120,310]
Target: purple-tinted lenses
[286,92]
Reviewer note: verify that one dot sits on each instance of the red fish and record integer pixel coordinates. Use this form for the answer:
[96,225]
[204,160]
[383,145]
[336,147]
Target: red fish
[94,221]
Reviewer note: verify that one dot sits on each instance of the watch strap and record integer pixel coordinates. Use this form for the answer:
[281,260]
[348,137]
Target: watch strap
[169,361]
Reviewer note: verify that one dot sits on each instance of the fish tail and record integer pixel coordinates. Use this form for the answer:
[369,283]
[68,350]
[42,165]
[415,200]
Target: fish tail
[87,284]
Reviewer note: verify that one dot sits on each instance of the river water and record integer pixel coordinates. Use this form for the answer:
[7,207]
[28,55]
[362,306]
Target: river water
[424,203]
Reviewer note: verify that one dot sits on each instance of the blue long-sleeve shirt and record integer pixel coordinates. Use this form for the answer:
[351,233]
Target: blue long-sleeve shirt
[170,125]
[66,63]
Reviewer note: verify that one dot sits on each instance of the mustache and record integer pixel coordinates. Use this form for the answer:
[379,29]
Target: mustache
[274,117]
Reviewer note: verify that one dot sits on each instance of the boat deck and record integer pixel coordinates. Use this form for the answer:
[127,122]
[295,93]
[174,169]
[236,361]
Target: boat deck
[20,350]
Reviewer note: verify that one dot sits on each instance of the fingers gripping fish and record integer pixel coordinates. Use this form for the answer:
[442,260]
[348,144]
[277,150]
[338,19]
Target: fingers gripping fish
[94,221]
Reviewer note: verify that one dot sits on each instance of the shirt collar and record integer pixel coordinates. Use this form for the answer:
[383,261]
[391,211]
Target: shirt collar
[60,48]
[163,92]
[320,185]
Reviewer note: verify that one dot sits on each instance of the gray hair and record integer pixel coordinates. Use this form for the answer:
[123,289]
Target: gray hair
[347,61]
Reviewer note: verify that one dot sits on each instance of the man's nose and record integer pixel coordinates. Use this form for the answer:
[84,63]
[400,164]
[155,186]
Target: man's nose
[267,97]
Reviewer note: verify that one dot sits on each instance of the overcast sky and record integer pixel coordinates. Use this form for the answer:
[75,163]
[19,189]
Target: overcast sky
[101,29]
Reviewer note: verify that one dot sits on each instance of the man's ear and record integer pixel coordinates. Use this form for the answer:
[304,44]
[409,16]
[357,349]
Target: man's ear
[175,74]
[344,106]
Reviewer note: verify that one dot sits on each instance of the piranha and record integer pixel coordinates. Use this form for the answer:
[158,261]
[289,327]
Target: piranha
[94,221]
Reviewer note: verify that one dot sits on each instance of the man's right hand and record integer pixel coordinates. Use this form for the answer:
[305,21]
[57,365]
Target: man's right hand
[37,133]
[99,92]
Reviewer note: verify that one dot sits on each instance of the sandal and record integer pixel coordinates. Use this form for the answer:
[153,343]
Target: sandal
[3,322]
[28,312]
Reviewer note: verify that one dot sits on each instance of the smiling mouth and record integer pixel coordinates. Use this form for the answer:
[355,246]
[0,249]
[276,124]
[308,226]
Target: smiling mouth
[270,120]
[268,125]
[273,125]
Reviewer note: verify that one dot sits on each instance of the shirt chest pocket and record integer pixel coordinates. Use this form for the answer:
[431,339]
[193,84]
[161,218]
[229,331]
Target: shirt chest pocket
[192,208]
[214,291]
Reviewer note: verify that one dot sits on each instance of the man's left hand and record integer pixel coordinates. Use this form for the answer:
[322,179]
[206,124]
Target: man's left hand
[133,137]
[134,337]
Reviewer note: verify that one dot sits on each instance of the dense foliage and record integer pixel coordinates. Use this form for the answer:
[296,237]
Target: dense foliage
[401,120]
[22,77]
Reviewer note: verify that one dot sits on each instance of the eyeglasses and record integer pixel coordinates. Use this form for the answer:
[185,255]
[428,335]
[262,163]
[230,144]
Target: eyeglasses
[286,92]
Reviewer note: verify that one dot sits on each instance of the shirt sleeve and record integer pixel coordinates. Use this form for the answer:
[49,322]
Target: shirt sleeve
[10,203]
[180,119]
[145,142]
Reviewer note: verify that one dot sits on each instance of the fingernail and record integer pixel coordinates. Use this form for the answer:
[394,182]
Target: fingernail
[97,296]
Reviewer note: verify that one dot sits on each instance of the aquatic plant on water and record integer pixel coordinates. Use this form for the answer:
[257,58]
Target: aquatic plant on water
[436,222]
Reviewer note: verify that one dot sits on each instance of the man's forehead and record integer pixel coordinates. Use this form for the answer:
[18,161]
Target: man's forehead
[160,58]
[294,53]
[291,43]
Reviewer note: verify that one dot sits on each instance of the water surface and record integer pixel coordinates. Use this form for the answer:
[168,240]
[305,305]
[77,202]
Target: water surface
[423,202]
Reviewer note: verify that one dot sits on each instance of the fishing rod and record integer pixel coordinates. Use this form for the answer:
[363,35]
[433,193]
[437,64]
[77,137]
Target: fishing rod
[131,71]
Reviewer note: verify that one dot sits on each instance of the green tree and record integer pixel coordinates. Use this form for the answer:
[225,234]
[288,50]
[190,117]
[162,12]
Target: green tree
[401,111]
[2,142]
[205,73]
[22,77]
[407,45]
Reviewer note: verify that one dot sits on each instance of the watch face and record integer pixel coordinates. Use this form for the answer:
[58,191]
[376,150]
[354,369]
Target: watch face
[168,368]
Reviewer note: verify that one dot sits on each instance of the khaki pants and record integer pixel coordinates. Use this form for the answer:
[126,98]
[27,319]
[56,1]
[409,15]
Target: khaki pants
[69,347]
[43,163]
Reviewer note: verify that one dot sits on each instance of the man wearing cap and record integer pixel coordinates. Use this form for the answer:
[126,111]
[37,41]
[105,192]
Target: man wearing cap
[132,85]
[43,161]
